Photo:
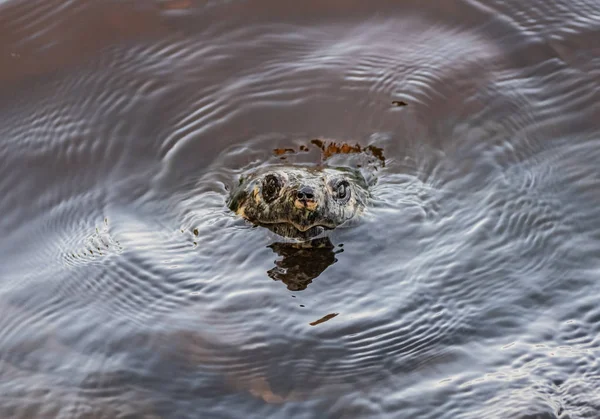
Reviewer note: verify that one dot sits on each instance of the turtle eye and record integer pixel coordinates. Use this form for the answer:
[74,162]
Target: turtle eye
[342,190]
[271,187]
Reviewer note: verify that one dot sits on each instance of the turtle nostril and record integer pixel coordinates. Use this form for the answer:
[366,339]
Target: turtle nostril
[305,194]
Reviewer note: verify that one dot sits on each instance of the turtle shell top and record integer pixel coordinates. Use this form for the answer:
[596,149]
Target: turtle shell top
[299,202]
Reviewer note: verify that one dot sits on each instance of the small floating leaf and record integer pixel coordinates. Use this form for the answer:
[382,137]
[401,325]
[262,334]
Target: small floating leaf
[318,143]
[282,151]
[324,319]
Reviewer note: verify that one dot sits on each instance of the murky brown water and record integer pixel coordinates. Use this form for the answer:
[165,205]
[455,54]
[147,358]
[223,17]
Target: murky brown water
[470,288]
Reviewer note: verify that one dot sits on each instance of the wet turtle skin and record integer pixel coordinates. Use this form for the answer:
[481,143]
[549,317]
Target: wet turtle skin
[299,202]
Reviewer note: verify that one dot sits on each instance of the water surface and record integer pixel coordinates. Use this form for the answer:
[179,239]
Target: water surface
[468,290]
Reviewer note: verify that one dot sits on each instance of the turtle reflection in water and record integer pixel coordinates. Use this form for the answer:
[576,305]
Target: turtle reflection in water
[300,265]
[302,204]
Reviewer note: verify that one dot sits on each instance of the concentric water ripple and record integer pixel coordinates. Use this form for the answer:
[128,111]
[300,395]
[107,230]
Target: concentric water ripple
[468,289]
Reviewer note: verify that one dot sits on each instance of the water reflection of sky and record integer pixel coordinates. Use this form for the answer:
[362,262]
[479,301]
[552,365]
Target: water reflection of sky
[468,289]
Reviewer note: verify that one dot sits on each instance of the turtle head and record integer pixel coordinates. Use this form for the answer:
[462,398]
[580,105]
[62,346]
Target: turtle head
[298,202]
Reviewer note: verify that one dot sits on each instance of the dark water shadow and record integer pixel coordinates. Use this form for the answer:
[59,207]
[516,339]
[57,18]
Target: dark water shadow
[300,263]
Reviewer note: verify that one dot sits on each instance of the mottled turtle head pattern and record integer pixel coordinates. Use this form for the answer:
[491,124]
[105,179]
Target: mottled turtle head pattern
[299,202]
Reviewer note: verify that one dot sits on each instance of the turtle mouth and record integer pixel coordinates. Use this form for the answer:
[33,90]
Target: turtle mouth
[300,227]
[295,231]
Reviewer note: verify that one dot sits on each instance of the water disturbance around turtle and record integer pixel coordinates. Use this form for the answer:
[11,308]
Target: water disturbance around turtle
[465,287]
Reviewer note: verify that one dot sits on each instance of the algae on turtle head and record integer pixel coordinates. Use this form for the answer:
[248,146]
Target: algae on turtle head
[299,202]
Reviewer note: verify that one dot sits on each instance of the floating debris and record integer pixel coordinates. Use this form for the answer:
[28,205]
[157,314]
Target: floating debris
[324,319]
[282,151]
[333,148]
[329,149]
